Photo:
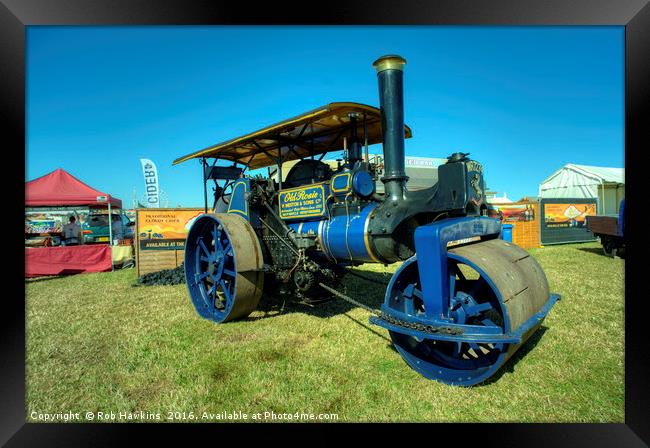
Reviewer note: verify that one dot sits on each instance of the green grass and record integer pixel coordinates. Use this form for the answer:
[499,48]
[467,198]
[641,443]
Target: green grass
[97,343]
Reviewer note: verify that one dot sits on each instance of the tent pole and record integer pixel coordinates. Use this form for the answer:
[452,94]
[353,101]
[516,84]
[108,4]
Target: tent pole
[110,232]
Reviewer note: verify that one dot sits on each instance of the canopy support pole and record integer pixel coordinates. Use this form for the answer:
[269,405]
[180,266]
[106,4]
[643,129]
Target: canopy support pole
[280,168]
[110,232]
[311,146]
[365,137]
[205,187]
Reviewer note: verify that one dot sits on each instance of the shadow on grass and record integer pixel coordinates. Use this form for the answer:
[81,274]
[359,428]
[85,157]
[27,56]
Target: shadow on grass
[599,251]
[593,250]
[370,329]
[43,279]
[370,293]
[509,366]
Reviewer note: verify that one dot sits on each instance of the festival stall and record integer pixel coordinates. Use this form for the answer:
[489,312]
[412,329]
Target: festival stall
[55,196]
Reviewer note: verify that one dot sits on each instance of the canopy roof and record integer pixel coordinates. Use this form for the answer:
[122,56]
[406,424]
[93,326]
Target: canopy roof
[60,188]
[599,174]
[577,181]
[315,132]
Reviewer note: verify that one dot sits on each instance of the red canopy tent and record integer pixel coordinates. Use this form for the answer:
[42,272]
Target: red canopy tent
[60,188]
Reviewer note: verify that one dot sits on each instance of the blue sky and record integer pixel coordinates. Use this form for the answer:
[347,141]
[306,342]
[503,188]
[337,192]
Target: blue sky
[521,100]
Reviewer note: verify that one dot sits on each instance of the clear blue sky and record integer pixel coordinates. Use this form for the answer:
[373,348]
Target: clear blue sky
[522,100]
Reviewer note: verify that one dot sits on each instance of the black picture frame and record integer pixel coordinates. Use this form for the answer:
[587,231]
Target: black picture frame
[15,15]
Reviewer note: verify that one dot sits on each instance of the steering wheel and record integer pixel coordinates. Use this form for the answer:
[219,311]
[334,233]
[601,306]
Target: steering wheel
[226,191]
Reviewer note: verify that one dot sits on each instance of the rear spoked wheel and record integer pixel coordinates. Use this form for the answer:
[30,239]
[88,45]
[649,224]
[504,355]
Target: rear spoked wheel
[222,267]
[216,263]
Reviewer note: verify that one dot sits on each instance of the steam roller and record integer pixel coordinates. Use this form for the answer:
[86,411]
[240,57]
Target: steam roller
[463,300]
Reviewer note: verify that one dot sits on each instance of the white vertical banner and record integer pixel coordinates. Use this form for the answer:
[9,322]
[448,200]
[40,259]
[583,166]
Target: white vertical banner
[152,189]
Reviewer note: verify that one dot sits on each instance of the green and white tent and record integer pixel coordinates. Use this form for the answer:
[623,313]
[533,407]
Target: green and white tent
[605,184]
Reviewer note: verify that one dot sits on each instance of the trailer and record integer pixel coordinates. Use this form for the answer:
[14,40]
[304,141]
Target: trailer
[610,231]
[463,300]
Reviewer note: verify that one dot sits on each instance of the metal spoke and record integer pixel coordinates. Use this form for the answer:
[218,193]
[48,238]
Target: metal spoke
[205,249]
[465,350]
[487,347]
[225,290]
[474,346]
[452,285]
[202,276]
[211,293]
[460,274]
[477,309]
[216,233]
[229,273]
[410,308]
[488,323]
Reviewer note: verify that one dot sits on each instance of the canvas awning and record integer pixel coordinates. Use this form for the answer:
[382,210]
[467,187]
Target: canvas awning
[580,181]
[315,132]
[60,188]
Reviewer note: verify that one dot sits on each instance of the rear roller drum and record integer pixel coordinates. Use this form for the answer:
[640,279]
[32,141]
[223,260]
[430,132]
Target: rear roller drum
[223,261]
[492,283]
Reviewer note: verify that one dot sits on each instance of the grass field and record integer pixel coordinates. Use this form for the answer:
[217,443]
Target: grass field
[97,343]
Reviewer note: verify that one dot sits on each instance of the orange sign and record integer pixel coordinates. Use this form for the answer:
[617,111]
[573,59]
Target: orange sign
[164,229]
[567,215]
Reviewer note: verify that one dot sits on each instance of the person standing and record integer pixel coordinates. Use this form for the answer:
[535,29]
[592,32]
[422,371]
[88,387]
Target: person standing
[72,233]
[117,227]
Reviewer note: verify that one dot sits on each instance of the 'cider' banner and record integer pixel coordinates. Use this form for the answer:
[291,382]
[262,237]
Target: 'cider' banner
[152,189]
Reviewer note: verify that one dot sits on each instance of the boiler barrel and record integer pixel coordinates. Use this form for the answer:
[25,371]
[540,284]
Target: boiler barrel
[343,238]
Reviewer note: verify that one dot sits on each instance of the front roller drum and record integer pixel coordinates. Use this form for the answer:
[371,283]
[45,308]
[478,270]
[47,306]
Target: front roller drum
[492,283]
[223,261]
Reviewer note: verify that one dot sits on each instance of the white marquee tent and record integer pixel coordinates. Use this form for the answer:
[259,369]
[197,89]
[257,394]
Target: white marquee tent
[607,185]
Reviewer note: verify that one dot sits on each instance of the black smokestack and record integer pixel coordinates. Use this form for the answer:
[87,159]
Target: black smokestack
[391,98]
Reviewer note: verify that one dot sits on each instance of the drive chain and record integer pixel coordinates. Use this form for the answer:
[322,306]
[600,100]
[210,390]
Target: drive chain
[431,329]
